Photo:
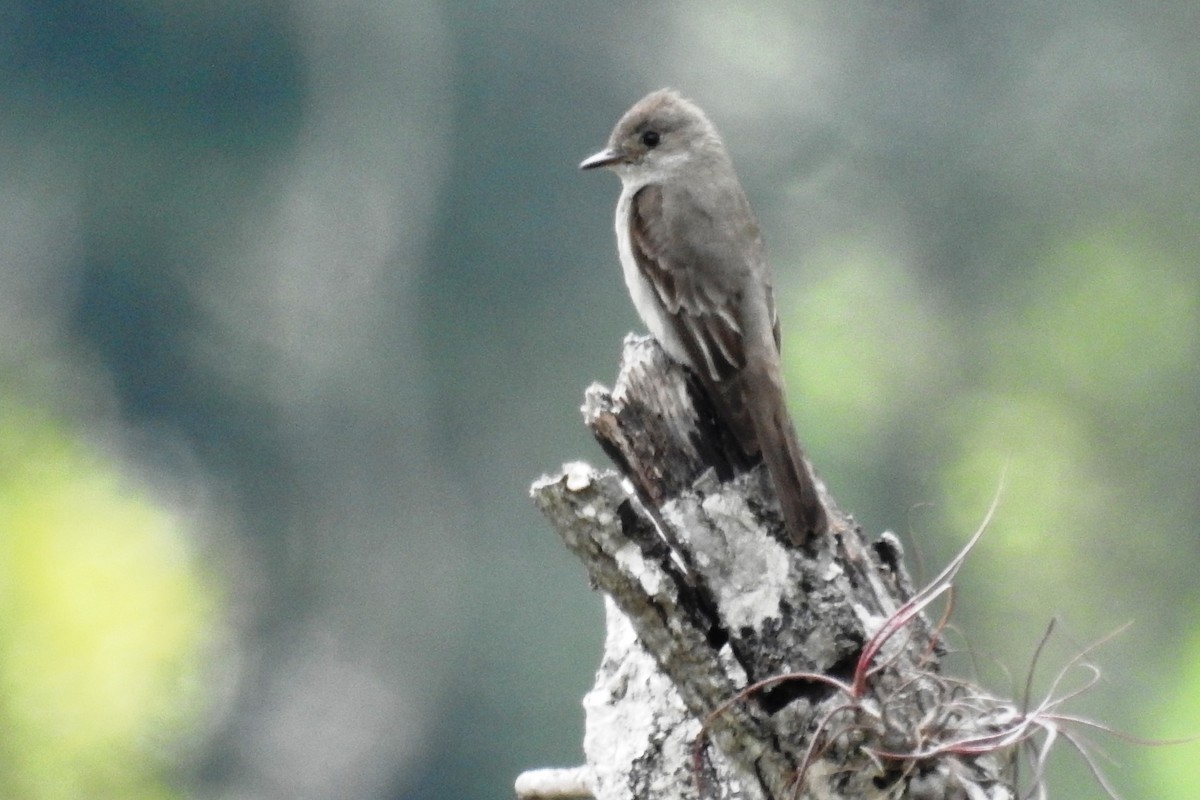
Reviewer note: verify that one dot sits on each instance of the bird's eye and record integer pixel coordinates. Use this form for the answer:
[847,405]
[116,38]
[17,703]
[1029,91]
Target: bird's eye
[650,138]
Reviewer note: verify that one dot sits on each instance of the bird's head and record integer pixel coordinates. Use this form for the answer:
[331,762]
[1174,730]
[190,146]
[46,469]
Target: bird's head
[659,136]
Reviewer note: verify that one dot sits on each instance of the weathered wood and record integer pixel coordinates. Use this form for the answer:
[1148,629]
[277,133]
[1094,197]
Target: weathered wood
[708,596]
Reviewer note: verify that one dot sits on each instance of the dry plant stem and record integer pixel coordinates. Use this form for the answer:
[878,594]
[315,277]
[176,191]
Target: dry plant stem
[729,624]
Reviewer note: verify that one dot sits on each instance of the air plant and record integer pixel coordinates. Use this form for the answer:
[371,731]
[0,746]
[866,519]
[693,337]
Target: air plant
[922,729]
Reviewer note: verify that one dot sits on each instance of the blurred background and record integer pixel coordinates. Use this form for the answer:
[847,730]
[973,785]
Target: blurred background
[297,298]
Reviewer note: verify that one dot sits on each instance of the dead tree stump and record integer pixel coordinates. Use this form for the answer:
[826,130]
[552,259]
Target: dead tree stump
[736,664]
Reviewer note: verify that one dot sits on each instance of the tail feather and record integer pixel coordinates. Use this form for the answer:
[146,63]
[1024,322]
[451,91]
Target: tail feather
[803,512]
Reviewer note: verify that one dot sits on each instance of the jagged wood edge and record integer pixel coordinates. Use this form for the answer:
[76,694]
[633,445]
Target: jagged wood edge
[666,447]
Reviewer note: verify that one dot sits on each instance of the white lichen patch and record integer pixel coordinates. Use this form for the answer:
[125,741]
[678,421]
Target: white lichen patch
[578,475]
[632,561]
[634,717]
[753,568]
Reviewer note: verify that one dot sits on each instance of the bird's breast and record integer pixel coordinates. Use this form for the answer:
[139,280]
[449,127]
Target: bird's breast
[645,298]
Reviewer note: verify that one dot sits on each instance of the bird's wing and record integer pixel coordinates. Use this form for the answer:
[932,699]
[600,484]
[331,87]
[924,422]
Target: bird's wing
[692,287]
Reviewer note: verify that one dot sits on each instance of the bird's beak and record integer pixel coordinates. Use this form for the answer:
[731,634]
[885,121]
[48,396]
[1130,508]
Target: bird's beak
[605,158]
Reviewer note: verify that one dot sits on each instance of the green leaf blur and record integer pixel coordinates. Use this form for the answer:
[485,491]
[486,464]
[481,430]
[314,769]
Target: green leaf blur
[104,614]
[1054,390]
[1174,771]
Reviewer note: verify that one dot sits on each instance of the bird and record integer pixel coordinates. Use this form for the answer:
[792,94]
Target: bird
[693,261]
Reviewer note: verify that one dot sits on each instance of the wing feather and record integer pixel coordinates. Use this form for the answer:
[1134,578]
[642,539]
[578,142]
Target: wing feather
[682,270]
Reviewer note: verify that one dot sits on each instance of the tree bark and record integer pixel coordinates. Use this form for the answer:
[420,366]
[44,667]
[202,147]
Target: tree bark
[736,664]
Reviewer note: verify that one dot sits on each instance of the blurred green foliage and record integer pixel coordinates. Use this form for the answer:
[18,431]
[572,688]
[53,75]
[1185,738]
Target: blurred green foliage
[866,342]
[106,616]
[1172,770]
[1049,398]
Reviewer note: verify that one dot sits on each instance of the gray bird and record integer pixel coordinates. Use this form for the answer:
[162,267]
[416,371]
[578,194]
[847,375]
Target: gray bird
[693,261]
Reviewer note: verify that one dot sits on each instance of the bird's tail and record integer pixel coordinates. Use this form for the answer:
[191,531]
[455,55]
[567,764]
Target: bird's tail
[803,512]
